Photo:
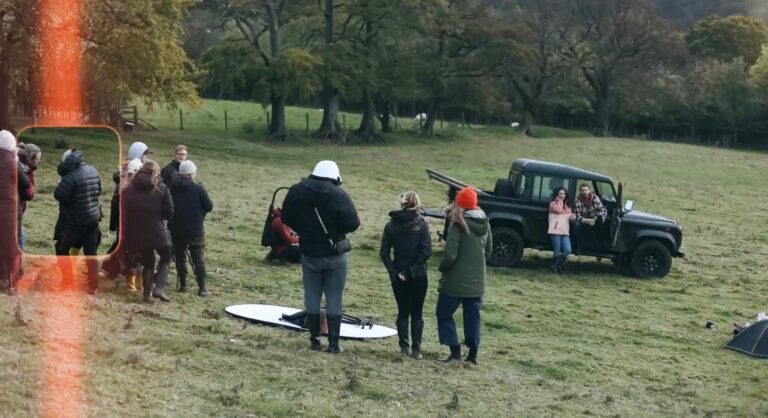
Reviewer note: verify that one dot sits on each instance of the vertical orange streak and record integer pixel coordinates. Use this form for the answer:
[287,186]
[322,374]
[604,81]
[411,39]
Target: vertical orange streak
[61,72]
[60,99]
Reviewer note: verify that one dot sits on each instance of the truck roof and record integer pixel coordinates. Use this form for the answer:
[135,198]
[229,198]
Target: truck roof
[557,169]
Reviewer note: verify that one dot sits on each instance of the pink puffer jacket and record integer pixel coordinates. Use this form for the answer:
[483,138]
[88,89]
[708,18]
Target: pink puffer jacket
[559,218]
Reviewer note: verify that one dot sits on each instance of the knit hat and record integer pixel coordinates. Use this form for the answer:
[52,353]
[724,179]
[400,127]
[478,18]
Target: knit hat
[467,198]
[327,169]
[187,167]
[66,154]
[134,165]
[137,150]
[7,141]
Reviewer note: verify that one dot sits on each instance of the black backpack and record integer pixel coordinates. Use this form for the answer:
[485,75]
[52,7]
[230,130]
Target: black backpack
[266,235]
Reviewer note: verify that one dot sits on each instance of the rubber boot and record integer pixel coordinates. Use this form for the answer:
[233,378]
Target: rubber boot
[561,264]
[130,282]
[402,334]
[417,327]
[202,290]
[455,354]
[555,267]
[472,355]
[334,331]
[313,323]
[182,284]
[160,278]
[147,286]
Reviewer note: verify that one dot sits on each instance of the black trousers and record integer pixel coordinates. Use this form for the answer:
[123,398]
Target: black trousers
[196,249]
[147,260]
[409,296]
[73,236]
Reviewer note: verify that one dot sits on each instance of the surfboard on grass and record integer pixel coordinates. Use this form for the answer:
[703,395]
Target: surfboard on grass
[273,315]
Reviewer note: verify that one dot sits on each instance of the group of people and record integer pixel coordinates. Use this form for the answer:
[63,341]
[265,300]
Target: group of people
[155,214]
[587,211]
[322,214]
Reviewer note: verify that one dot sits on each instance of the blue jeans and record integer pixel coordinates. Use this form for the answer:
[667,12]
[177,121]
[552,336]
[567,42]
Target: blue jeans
[561,245]
[22,237]
[324,275]
[446,327]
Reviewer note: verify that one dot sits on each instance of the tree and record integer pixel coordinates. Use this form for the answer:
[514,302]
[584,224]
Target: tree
[459,39]
[730,94]
[608,40]
[759,71]
[260,22]
[19,46]
[133,50]
[728,38]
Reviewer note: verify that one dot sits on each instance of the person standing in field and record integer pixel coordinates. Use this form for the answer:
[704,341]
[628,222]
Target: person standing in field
[78,194]
[172,169]
[30,156]
[147,207]
[462,281]
[191,203]
[116,263]
[9,207]
[322,213]
[560,218]
[589,211]
[407,234]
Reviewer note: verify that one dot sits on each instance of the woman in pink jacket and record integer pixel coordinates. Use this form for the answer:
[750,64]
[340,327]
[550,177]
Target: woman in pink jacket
[560,217]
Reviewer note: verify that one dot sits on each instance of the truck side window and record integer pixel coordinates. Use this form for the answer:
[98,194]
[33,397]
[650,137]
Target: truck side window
[544,187]
[521,185]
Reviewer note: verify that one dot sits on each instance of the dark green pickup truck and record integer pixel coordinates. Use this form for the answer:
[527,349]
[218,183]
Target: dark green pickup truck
[518,210]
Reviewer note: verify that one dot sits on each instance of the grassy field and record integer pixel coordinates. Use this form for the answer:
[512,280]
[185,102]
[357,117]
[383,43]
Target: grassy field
[593,342]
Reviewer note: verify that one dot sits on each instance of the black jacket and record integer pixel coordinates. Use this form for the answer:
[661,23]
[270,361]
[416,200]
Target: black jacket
[408,234]
[335,207]
[145,213]
[191,203]
[169,172]
[114,205]
[78,191]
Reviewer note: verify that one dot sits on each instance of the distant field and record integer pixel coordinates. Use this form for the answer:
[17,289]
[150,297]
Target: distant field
[595,341]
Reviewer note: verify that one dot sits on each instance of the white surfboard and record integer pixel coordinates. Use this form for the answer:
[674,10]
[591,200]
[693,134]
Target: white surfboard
[273,315]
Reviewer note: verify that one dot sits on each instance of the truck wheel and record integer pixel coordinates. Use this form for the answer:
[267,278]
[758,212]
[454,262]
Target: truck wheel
[507,247]
[651,259]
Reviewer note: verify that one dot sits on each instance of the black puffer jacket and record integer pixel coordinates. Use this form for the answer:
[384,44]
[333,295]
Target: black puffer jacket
[191,203]
[408,234]
[169,172]
[335,207]
[114,204]
[78,191]
[145,213]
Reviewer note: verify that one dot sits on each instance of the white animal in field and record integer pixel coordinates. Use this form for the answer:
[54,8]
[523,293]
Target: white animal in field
[420,117]
[515,124]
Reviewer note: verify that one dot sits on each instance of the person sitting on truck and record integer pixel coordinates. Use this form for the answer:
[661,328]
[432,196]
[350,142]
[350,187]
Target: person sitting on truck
[589,211]
[560,217]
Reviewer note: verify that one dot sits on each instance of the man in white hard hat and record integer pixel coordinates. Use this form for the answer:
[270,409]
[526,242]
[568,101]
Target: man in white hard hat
[322,213]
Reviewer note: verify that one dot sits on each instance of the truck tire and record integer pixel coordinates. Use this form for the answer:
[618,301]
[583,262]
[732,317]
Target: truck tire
[651,259]
[507,247]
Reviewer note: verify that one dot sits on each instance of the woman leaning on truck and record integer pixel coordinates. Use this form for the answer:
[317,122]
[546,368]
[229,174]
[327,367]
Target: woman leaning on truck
[560,218]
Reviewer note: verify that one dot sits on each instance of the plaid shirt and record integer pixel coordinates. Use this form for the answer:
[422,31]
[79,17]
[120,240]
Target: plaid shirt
[591,210]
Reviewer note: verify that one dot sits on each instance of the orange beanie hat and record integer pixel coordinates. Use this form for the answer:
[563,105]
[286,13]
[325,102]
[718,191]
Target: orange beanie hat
[467,198]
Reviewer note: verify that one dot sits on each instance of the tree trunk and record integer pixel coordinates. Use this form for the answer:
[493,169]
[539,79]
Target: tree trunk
[603,113]
[5,98]
[386,118]
[367,129]
[330,128]
[277,129]
[429,126]
[528,122]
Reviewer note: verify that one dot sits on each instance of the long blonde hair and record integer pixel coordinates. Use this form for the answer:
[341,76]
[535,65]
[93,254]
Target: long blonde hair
[410,200]
[153,168]
[457,217]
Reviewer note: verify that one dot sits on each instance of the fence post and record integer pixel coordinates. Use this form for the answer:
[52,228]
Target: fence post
[136,115]
[181,119]
[226,120]
[344,121]
[307,117]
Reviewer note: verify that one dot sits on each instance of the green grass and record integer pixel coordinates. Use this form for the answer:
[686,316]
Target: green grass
[594,341]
